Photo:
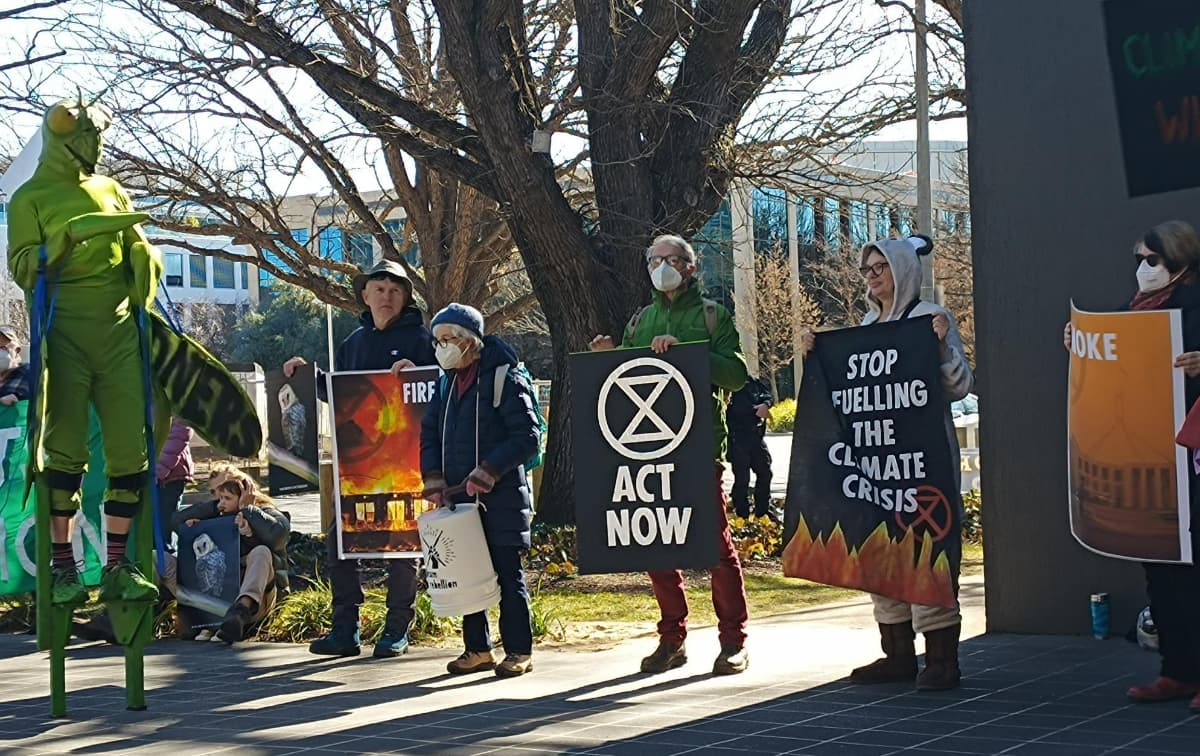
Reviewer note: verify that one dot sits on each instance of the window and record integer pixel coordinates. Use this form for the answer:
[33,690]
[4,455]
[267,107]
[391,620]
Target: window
[198,271]
[173,262]
[222,274]
[244,271]
[362,252]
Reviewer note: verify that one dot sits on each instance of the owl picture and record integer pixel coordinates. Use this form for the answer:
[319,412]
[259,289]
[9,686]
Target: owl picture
[210,565]
[293,420]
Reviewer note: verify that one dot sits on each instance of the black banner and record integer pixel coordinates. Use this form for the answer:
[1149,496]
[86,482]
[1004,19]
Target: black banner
[292,451]
[872,500]
[645,476]
[1154,54]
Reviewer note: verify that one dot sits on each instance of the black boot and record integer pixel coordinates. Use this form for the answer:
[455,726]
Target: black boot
[941,660]
[899,663]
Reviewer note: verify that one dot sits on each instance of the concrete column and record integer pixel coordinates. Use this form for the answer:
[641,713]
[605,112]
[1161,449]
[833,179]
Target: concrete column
[742,233]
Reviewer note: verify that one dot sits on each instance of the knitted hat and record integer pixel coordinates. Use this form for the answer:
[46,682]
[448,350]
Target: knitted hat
[383,268]
[460,315]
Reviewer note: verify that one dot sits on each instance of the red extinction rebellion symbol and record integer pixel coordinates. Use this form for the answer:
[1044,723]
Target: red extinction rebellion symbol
[933,512]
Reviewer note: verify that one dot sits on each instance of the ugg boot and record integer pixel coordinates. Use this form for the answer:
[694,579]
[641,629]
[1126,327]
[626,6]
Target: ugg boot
[899,663]
[941,660]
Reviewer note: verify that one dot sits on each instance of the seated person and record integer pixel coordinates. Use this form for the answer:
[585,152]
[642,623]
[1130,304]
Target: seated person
[14,375]
[264,538]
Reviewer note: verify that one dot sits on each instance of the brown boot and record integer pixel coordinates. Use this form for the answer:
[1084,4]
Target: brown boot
[900,657]
[941,660]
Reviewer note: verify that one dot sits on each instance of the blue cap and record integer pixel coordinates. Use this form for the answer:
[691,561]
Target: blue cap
[460,315]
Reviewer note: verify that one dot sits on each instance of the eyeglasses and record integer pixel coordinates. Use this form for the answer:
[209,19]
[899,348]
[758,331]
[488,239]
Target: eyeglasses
[873,271]
[675,261]
[444,341]
[1153,259]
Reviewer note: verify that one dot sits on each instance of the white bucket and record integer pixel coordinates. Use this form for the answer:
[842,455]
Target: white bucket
[458,568]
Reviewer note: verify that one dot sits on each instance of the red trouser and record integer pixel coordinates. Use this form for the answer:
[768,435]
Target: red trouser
[728,590]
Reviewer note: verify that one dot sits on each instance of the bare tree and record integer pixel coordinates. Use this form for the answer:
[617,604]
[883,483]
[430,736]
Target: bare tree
[30,55]
[781,308]
[657,94]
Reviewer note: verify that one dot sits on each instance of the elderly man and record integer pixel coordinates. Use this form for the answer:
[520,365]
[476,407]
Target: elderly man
[392,337]
[472,435]
[14,375]
[679,313]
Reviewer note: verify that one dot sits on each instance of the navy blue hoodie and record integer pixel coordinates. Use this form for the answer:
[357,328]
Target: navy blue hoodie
[370,348]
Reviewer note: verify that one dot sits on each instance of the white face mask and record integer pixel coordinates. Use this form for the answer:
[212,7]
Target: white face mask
[449,356]
[665,278]
[1152,277]
[6,361]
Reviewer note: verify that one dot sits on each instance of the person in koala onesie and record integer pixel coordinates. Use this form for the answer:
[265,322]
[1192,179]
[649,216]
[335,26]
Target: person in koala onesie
[99,269]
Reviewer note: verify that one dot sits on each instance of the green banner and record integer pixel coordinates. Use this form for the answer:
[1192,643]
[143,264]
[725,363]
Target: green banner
[17,521]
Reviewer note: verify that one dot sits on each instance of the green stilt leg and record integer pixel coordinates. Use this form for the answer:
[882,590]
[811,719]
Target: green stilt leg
[135,679]
[53,622]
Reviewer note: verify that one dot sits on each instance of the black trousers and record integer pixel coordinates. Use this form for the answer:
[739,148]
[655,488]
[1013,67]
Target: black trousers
[1174,591]
[748,452]
[348,594]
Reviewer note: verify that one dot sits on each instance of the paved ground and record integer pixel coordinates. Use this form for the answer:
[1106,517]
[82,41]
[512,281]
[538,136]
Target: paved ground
[1023,695]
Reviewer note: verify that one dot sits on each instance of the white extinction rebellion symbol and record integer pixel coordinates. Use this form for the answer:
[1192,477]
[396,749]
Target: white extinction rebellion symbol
[658,383]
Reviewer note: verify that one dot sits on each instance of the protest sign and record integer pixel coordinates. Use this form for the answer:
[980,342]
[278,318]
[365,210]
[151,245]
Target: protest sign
[645,481]
[377,460]
[210,568]
[1128,487]
[873,498]
[292,449]
[17,549]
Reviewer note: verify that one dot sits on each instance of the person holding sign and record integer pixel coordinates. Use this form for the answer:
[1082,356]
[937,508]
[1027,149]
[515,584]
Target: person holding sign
[679,313]
[892,269]
[392,337]
[1168,262]
[474,444]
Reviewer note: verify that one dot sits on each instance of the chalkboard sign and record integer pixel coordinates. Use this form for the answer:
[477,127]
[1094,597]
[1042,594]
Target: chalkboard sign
[1154,54]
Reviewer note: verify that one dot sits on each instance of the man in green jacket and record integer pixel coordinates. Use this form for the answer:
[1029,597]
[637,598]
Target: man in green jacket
[679,313]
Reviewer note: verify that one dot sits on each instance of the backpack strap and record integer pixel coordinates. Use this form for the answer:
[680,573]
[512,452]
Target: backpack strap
[498,385]
[710,316]
[637,318]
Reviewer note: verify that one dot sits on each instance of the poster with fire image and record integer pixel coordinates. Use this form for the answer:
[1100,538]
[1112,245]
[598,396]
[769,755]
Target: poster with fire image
[376,460]
[873,495]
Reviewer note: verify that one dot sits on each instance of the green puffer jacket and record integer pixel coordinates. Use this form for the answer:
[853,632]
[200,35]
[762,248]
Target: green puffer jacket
[684,318]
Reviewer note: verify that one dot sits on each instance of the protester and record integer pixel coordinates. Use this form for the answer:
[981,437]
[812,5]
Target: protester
[392,337]
[679,313]
[1168,263]
[892,269]
[14,375]
[747,418]
[264,532]
[468,436]
[173,472]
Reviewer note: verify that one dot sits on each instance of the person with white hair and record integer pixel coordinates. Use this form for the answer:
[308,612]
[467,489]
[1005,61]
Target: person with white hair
[680,313]
[479,430]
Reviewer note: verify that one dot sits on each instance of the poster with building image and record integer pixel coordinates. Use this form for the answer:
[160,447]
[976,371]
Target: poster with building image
[292,451]
[873,496]
[1128,484]
[377,460]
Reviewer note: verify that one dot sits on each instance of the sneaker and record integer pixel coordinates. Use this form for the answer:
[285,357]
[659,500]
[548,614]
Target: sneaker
[123,581]
[341,641]
[1162,689]
[66,590]
[472,661]
[205,635]
[732,660]
[233,627]
[390,646]
[514,665]
[667,656]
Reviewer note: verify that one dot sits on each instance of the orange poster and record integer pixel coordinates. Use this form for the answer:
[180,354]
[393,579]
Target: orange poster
[1128,479]
[377,460]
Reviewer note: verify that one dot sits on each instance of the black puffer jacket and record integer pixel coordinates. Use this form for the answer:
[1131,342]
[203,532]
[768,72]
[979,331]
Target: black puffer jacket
[507,437]
[268,527]
[369,348]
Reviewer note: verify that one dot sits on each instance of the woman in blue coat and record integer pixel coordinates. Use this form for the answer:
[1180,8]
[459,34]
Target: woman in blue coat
[471,436]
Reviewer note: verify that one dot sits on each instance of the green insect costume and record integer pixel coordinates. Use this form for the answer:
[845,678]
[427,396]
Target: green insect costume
[76,232]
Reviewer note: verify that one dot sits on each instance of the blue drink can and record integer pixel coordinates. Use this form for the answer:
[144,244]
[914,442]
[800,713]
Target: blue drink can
[1100,621]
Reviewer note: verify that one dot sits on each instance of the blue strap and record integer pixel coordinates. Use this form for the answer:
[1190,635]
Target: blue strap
[160,546]
[168,310]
